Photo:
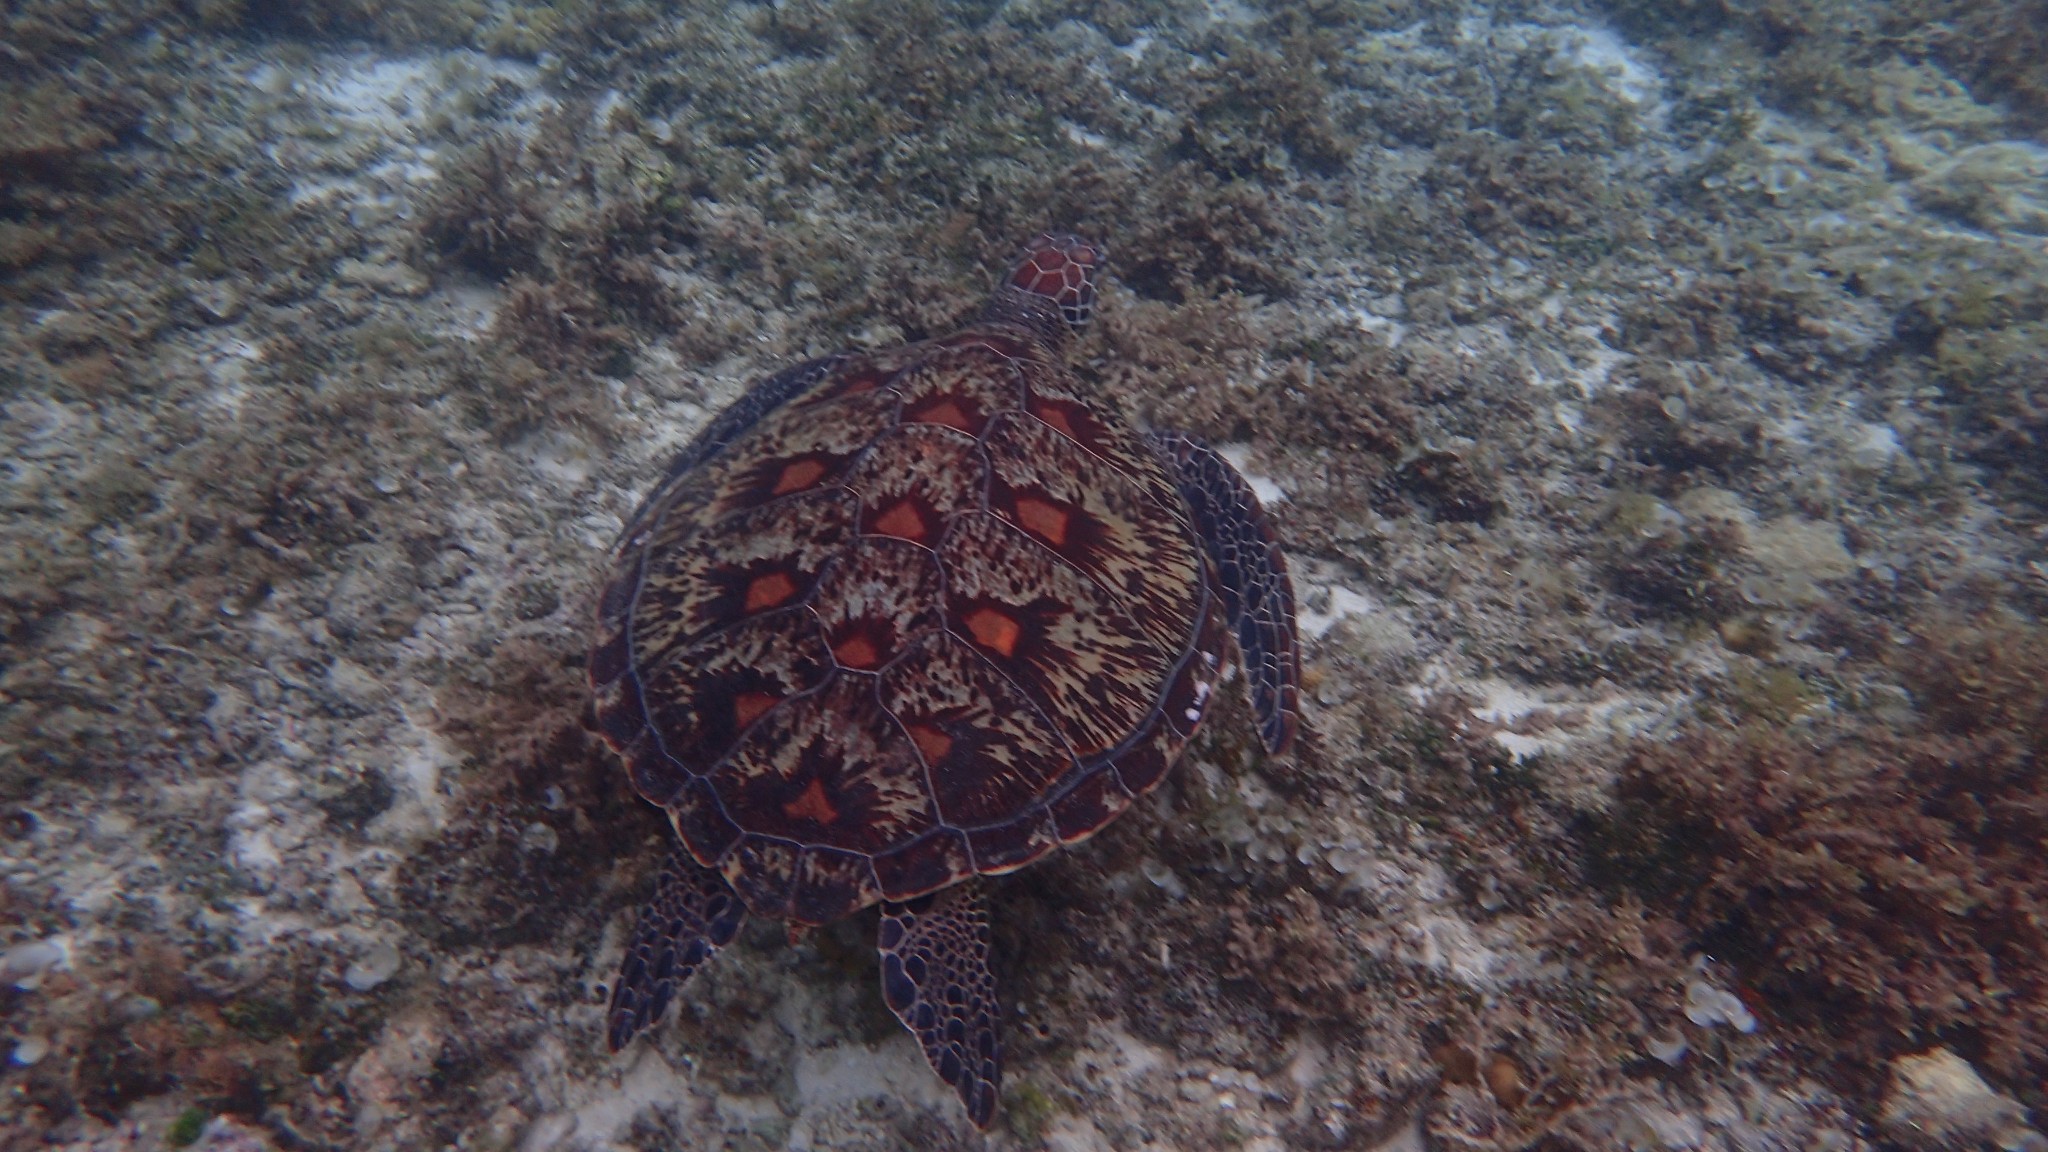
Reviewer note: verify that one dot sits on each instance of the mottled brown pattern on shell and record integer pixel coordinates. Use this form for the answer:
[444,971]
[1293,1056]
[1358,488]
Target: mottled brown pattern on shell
[831,769]
[1076,652]
[959,388]
[689,592]
[1001,342]
[1055,401]
[1188,694]
[702,699]
[762,871]
[990,751]
[826,883]
[1099,520]
[1094,801]
[931,863]
[1006,847]
[746,475]
[1144,762]
[858,376]
[1109,786]
[880,596]
[925,472]
[700,821]
[821,441]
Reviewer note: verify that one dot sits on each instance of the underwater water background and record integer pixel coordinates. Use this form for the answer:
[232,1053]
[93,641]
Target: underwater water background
[1650,398]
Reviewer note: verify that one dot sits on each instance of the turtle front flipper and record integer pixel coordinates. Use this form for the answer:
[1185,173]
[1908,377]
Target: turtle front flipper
[1257,596]
[935,977]
[694,913]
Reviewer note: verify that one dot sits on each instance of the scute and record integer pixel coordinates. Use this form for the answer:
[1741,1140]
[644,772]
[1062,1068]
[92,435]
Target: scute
[940,858]
[1091,513]
[703,699]
[878,600]
[831,770]
[1072,648]
[1054,403]
[795,451]
[1097,799]
[916,480]
[746,565]
[988,749]
[829,433]
[959,388]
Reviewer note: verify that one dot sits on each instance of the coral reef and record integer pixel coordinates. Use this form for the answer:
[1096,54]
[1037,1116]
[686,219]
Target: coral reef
[1879,893]
[1816,55]
[1642,407]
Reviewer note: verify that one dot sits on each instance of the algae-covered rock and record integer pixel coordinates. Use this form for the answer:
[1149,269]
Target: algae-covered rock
[1937,1101]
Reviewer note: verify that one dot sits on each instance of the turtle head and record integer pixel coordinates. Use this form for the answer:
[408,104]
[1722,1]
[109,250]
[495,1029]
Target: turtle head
[1051,287]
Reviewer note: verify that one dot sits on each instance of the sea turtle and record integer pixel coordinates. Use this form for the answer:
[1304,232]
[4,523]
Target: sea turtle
[898,620]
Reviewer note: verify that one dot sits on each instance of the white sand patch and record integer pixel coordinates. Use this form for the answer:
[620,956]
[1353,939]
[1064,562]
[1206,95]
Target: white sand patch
[850,1073]
[1265,488]
[1600,51]
[367,137]
[1539,721]
[1451,946]
[647,1084]
[418,808]
[1380,319]
[1338,603]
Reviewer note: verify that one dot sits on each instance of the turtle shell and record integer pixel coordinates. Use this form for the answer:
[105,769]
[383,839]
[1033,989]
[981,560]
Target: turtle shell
[933,615]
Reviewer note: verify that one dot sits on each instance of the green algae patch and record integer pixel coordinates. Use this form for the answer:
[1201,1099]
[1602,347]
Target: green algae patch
[187,1128]
[1027,1111]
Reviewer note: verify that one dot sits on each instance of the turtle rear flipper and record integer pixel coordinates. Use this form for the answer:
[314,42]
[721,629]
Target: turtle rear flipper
[935,977]
[1257,596]
[694,913]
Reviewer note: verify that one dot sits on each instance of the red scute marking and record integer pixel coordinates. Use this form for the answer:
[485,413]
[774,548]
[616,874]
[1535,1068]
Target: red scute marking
[945,410]
[995,631]
[903,522]
[930,741]
[857,651]
[748,706]
[766,592]
[1042,519]
[1031,276]
[1048,273]
[798,476]
[812,806]
[1062,418]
